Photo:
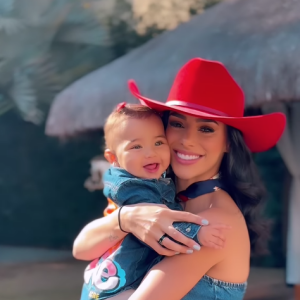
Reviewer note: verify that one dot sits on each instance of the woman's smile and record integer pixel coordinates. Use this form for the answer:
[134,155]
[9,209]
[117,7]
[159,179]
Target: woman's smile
[186,158]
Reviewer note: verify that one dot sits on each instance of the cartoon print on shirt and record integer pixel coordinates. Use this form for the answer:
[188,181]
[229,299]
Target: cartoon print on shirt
[104,275]
[109,276]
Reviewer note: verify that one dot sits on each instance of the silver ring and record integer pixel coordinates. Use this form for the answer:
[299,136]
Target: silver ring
[161,239]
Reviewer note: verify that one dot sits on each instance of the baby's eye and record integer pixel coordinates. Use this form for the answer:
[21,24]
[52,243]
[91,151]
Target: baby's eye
[158,143]
[136,147]
[206,129]
[176,124]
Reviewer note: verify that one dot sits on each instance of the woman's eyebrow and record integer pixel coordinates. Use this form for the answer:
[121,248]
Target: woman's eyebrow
[180,116]
[207,121]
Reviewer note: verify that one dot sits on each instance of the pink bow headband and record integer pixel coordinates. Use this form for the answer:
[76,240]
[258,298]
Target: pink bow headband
[120,106]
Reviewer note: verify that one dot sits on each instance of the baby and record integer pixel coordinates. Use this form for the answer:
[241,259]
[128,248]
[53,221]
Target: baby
[137,148]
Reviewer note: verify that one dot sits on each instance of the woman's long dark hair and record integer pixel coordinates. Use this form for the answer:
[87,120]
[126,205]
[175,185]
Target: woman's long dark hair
[243,184]
[240,176]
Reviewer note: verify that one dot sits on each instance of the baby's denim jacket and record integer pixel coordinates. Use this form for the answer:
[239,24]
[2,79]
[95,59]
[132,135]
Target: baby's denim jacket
[125,189]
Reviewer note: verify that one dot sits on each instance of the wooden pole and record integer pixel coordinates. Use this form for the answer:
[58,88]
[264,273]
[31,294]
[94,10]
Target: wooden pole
[297,292]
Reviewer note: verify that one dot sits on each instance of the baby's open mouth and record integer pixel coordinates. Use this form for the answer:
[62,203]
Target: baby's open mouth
[152,168]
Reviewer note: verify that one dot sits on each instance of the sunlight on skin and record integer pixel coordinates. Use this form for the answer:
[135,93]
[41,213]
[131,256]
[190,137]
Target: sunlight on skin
[123,296]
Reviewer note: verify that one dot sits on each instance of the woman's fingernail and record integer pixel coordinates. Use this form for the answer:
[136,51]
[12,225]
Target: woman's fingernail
[177,253]
[205,222]
[197,247]
[189,251]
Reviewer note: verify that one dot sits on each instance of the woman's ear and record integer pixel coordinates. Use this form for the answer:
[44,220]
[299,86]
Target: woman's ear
[110,157]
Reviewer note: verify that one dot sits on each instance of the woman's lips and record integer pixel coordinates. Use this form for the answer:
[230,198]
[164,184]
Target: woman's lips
[152,168]
[186,158]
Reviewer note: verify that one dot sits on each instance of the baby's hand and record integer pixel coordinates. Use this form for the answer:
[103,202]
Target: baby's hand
[213,236]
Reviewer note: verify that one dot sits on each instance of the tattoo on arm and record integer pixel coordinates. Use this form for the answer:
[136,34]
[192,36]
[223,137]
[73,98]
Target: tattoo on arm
[112,237]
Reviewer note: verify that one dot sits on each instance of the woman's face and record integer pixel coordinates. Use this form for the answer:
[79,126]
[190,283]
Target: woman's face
[197,146]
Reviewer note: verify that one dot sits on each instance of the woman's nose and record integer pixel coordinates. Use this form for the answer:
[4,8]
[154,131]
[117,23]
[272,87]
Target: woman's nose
[188,138]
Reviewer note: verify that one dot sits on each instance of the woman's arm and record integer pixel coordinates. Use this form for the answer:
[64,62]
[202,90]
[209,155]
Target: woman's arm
[175,276]
[97,237]
[148,222]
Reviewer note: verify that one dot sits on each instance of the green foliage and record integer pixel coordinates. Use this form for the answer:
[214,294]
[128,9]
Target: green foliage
[126,39]
[49,47]
[123,29]
[211,3]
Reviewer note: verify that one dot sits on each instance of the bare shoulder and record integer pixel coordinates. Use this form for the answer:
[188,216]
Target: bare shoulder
[217,215]
[219,208]
[223,200]
[223,209]
[236,253]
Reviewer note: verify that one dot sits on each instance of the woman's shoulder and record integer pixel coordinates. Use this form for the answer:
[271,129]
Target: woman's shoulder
[224,202]
[219,207]
[223,209]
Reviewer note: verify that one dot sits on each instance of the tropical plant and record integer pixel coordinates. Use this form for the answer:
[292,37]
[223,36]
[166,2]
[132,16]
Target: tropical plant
[47,44]
[34,47]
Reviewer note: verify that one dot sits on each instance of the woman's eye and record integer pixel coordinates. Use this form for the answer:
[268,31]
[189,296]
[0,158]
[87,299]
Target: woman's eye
[136,147]
[158,143]
[206,129]
[175,124]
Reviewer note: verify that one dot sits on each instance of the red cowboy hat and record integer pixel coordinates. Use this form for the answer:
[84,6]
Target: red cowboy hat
[205,89]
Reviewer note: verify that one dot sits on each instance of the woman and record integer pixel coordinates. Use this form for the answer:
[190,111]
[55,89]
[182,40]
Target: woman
[208,136]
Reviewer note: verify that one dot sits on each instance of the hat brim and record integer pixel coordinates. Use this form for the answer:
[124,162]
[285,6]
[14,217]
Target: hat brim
[260,132]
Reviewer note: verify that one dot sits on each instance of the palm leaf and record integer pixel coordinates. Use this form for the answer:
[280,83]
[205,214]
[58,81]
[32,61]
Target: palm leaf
[6,6]
[11,25]
[24,96]
[45,78]
[5,106]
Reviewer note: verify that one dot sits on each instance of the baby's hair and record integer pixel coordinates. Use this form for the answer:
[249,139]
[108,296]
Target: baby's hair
[125,111]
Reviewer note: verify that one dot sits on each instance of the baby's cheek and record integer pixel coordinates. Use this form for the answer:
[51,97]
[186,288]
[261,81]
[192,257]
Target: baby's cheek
[134,166]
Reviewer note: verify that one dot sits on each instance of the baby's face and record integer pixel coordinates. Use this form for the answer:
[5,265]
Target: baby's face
[142,148]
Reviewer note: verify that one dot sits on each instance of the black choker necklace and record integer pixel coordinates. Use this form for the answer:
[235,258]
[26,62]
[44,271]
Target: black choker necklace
[200,188]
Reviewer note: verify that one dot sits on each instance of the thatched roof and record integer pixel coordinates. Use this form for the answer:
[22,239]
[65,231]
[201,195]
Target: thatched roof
[258,40]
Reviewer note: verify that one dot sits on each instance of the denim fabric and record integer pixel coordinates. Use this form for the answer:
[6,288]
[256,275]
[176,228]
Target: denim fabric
[118,270]
[125,267]
[213,289]
[124,189]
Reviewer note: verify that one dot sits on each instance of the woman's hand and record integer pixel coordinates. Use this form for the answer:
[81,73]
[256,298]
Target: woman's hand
[149,222]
